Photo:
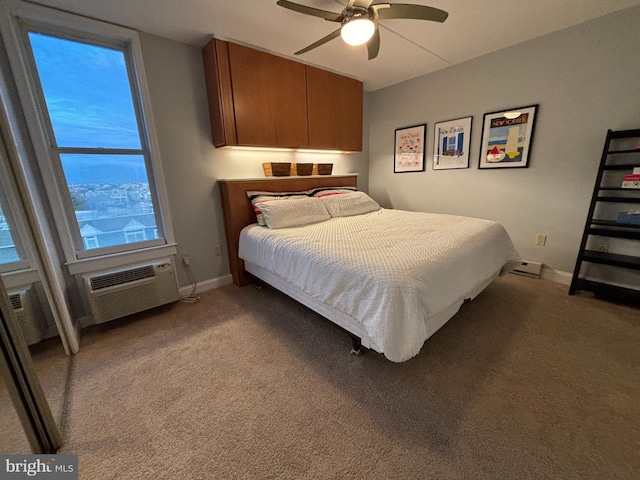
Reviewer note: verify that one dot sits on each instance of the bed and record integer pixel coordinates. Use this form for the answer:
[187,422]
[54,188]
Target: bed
[390,278]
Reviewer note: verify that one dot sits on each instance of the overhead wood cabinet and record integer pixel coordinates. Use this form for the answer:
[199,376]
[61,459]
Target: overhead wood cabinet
[255,99]
[262,100]
[334,104]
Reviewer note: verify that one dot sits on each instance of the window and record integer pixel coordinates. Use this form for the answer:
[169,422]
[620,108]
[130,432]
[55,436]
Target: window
[8,250]
[95,140]
[12,254]
[83,91]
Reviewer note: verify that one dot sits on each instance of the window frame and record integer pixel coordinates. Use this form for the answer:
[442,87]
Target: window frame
[13,216]
[55,152]
[18,21]
[22,263]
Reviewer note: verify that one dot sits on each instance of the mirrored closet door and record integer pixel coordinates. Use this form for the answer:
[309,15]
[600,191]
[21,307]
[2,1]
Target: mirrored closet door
[28,315]
[26,423]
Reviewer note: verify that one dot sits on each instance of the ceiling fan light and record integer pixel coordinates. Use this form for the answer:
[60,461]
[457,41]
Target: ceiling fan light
[357,31]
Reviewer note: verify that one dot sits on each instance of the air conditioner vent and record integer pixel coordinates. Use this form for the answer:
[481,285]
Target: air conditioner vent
[129,290]
[16,301]
[121,277]
[28,315]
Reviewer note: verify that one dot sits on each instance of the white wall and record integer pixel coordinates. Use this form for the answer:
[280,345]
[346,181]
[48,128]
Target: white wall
[586,79]
[192,165]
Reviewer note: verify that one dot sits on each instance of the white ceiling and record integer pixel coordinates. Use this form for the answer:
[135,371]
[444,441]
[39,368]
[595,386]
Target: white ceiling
[409,48]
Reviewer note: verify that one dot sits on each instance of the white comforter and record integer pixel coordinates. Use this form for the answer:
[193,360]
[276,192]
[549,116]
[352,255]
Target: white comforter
[393,271]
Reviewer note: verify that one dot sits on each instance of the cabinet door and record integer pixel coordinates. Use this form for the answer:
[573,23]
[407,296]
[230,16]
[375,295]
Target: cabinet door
[334,105]
[215,55]
[269,99]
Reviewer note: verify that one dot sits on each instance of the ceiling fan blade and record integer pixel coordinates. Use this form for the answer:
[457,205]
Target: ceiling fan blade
[373,46]
[322,41]
[360,3]
[316,12]
[406,10]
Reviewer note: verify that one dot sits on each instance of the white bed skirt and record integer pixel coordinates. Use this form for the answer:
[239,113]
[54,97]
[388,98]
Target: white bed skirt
[345,321]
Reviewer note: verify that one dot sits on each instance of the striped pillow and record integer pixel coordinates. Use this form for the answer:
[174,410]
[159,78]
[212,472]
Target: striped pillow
[257,197]
[326,191]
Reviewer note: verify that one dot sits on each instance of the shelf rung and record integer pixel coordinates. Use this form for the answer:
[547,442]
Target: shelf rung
[619,199]
[624,133]
[613,259]
[613,223]
[631,150]
[626,166]
[608,232]
[608,290]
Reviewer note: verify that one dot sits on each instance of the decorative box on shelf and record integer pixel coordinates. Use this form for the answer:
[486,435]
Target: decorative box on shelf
[629,218]
[631,180]
[323,168]
[301,168]
[276,169]
[281,169]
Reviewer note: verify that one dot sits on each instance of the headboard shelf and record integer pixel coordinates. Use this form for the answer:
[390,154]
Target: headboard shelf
[238,212]
[288,178]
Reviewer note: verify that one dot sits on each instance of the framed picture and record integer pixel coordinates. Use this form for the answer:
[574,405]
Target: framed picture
[506,138]
[451,142]
[409,149]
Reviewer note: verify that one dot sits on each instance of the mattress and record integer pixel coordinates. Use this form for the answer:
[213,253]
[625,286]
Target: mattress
[394,272]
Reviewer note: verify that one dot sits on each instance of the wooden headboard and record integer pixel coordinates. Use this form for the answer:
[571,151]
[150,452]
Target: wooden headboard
[238,212]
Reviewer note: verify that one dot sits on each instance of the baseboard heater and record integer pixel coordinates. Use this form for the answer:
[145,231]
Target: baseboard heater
[528,268]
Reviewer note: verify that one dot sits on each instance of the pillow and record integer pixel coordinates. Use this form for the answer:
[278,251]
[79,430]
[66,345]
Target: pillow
[348,204]
[325,191]
[293,212]
[257,198]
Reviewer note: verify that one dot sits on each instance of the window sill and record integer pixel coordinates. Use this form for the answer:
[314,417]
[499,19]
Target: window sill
[115,260]
[20,278]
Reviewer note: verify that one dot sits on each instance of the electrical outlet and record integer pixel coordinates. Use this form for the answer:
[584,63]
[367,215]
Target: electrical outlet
[603,247]
[541,239]
[186,259]
[216,251]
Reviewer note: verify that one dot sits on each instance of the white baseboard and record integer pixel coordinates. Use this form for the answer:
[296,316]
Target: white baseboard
[556,275]
[206,285]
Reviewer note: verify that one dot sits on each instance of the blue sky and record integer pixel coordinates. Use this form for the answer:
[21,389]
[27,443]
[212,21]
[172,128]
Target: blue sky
[88,97]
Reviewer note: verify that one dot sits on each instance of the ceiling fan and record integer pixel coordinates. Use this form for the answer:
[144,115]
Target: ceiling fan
[359,21]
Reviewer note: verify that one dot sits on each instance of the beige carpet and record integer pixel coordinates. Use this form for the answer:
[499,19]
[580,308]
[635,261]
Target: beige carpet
[525,382]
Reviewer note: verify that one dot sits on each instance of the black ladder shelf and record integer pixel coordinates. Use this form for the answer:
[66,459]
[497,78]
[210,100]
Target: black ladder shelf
[621,154]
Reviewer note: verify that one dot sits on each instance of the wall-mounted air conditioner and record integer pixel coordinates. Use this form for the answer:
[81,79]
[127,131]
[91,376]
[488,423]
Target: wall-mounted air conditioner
[26,311]
[130,290]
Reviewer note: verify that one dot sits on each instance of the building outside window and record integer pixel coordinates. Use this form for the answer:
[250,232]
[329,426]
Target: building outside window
[91,242]
[131,236]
